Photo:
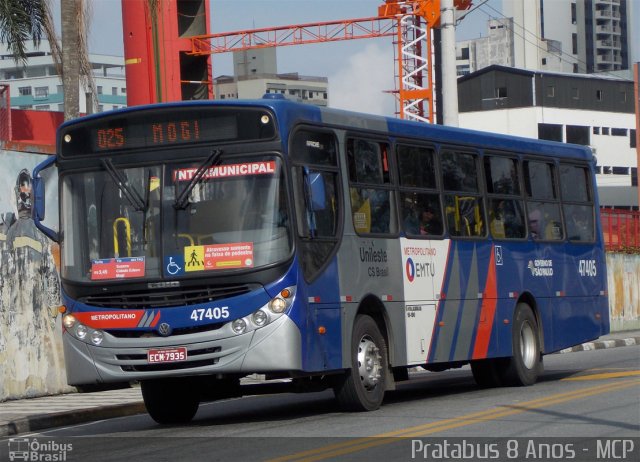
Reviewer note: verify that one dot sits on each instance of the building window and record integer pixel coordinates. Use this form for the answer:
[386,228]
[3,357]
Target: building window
[43,107]
[575,68]
[632,138]
[59,89]
[24,91]
[599,95]
[544,61]
[99,89]
[123,91]
[501,92]
[41,93]
[574,43]
[605,130]
[573,14]
[578,134]
[596,130]
[551,91]
[551,132]
[618,132]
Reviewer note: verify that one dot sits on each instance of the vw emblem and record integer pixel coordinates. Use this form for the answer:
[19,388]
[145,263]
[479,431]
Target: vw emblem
[164,329]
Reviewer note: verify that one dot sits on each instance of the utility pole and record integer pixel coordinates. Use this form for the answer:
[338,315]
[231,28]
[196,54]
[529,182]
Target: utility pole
[449,74]
[636,92]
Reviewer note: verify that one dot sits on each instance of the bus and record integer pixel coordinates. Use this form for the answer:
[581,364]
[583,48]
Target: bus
[203,242]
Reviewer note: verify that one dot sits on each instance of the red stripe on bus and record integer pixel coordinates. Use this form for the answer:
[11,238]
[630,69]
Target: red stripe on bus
[487,312]
[155,320]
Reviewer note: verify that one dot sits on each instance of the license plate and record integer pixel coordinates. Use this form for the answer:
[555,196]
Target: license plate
[168,355]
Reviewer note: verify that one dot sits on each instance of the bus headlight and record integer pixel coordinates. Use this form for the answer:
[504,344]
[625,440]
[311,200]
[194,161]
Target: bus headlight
[260,318]
[283,300]
[96,337]
[81,331]
[277,305]
[68,321]
[239,326]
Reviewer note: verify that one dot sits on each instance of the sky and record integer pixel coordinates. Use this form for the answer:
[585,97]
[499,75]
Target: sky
[359,71]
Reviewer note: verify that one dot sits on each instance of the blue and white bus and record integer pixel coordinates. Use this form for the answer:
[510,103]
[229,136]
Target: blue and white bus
[202,242]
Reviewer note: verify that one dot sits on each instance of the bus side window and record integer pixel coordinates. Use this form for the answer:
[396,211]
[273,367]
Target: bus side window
[372,200]
[463,202]
[577,204]
[506,209]
[543,209]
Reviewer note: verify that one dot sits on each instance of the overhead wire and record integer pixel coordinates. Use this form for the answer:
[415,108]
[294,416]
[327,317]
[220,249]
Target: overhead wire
[537,38]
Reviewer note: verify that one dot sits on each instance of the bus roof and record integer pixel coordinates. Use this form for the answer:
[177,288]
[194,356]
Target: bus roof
[290,112]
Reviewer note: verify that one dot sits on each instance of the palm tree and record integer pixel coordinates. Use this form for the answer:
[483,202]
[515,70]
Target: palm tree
[22,20]
[75,57]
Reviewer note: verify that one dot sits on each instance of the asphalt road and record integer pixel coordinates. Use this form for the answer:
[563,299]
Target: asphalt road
[586,406]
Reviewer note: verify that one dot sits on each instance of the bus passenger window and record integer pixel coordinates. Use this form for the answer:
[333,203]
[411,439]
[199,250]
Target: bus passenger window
[464,208]
[577,205]
[372,200]
[421,214]
[543,209]
[506,208]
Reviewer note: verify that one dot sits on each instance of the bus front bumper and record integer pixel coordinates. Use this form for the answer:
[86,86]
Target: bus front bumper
[275,347]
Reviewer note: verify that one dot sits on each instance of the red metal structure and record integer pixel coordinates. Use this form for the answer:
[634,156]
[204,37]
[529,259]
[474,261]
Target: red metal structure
[621,230]
[156,41]
[167,58]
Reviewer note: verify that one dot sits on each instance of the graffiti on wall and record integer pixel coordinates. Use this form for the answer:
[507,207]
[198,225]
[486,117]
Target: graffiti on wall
[31,358]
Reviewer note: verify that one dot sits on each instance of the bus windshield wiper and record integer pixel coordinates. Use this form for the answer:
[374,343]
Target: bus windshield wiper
[213,160]
[123,184]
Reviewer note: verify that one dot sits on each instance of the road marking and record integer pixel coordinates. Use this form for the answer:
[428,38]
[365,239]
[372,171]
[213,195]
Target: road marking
[603,376]
[360,444]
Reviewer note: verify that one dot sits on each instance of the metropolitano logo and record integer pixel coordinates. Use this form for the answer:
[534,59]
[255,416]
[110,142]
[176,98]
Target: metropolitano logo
[32,450]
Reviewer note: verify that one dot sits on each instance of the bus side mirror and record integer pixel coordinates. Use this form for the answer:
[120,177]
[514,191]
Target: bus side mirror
[317,191]
[38,191]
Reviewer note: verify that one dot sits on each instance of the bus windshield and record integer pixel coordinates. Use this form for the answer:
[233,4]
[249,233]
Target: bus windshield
[127,222]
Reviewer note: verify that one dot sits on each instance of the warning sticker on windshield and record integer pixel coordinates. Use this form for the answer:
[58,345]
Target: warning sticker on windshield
[225,171]
[218,256]
[117,268]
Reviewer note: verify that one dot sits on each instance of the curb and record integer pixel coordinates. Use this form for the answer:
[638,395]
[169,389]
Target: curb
[603,344]
[60,419]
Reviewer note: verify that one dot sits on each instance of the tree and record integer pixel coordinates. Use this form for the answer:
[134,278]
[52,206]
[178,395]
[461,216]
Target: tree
[22,20]
[75,56]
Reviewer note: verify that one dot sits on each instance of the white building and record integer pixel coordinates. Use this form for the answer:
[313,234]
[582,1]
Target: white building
[594,110]
[38,85]
[579,36]
[256,74]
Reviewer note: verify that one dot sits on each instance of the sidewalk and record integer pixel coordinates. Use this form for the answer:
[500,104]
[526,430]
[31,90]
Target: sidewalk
[27,415]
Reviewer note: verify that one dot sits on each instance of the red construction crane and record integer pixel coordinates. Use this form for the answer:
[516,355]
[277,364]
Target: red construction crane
[167,50]
[410,22]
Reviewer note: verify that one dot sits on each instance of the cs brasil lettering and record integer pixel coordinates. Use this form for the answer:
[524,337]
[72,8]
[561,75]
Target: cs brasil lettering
[368,254]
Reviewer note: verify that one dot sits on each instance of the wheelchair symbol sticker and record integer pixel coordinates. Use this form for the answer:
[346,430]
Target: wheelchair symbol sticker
[174,265]
[499,260]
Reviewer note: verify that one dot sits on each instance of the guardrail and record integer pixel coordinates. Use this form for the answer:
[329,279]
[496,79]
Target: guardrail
[621,230]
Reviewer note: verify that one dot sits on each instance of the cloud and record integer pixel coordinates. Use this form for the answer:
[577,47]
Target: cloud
[359,83]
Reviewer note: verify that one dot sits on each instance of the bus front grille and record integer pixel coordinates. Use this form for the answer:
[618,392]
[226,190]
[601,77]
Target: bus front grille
[167,297]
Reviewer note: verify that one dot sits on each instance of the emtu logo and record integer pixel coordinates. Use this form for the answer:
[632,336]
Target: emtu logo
[410,269]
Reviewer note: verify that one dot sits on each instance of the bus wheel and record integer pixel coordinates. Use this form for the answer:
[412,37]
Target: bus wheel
[363,386]
[526,362]
[169,401]
[488,373]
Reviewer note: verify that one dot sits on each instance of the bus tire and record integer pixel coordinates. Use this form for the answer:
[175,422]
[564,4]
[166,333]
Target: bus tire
[362,387]
[169,401]
[526,362]
[488,373]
